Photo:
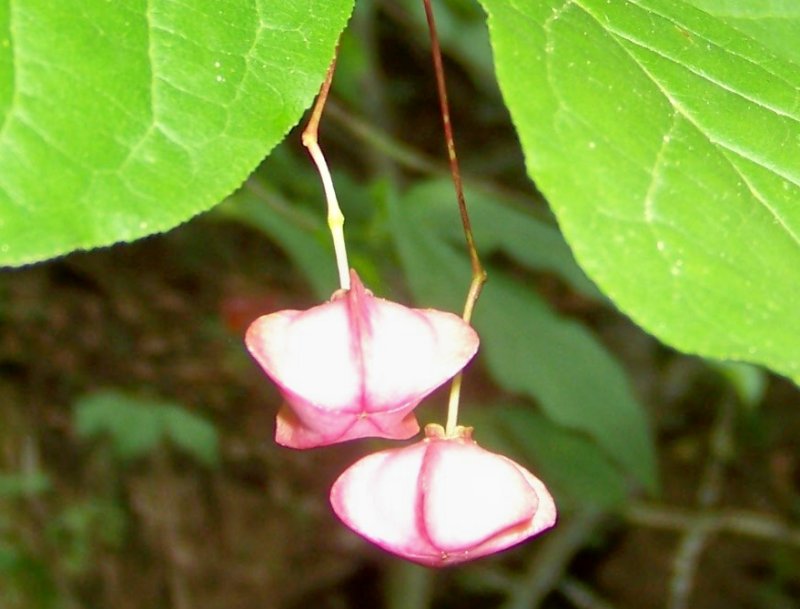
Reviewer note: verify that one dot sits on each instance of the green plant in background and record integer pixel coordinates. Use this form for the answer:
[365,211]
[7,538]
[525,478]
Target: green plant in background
[24,576]
[33,567]
[137,427]
[26,580]
[82,529]
[13,486]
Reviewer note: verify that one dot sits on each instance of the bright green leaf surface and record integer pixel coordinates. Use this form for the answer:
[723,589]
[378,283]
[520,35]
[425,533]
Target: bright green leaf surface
[120,119]
[773,23]
[527,347]
[668,144]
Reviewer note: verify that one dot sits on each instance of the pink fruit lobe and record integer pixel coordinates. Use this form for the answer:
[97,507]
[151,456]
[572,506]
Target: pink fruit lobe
[443,500]
[357,365]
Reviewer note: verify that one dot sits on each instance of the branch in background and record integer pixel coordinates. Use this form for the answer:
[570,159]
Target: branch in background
[735,522]
[550,563]
[373,81]
[695,538]
[382,141]
[412,159]
[547,568]
[278,204]
[581,595]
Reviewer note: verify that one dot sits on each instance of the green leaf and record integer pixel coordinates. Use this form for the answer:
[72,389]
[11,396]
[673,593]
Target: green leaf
[121,119]
[298,233]
[501,225]
[80,528]
[23,485]
[533,351]
[137,426]
[27,580]
[133,425]
[527,347]
[668,145]
[193,434]
[571,465]
[749,382]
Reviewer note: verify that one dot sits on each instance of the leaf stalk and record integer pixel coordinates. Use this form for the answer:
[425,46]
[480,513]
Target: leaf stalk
[478,272]
[335,216]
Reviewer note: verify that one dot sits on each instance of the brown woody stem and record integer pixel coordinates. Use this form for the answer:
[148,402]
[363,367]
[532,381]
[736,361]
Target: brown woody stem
[478,272]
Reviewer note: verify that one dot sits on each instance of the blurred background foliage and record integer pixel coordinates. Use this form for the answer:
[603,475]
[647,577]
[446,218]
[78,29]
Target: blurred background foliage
[138,468]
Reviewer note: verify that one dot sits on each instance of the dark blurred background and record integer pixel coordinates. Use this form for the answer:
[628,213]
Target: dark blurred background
[137,467]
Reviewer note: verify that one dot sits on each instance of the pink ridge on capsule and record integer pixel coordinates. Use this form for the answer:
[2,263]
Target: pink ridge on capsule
[442,501]
[357,365]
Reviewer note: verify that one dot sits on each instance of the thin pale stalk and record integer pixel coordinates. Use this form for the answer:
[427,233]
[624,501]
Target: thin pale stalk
[478,272]
[335,215]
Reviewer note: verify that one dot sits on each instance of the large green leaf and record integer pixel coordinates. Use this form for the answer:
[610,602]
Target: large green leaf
[668,144]
[120,119]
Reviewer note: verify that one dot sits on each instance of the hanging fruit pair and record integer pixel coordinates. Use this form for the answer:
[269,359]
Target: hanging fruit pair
[357,366]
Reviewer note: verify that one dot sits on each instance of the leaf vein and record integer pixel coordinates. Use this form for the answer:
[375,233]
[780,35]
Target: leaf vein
[679,108]
[704,38]
[705,76]
[763,200]
[7,117]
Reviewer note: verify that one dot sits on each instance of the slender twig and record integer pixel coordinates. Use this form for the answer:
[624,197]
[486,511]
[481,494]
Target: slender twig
[686,561]
[687,557]
[280,206]
[550,563]
[416,160]
[335,215]
[581,595]
[478,273]
[546,570]
[380,139]
[374,102]
[735,522]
